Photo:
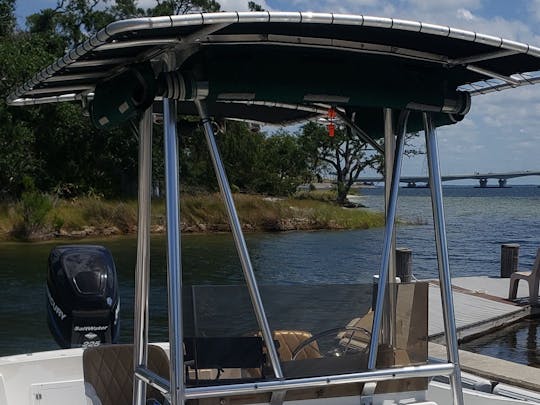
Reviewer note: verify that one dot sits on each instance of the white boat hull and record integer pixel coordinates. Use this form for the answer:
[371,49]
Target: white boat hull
[56,378]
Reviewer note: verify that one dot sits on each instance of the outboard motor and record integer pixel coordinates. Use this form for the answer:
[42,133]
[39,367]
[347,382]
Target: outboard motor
[82,296]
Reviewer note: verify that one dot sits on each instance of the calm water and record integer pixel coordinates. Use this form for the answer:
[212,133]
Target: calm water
[478,222]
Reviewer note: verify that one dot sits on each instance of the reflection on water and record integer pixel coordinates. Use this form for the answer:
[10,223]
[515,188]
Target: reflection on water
[518,343]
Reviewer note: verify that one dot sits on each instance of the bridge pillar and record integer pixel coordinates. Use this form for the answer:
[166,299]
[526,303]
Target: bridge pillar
[483,182]
[502,183]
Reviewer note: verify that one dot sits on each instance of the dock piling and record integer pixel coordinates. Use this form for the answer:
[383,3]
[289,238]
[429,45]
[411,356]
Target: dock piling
[404,264]
[509,259]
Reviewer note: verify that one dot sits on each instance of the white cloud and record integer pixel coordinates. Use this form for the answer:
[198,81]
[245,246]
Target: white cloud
[465,14]
[146,3]
[534,9]
[430,5]
[336,5]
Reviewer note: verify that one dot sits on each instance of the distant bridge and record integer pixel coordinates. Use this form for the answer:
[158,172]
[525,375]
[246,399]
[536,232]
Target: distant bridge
[482,178]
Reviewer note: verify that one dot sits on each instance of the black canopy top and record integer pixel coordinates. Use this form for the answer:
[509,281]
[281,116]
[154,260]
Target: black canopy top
[283,66]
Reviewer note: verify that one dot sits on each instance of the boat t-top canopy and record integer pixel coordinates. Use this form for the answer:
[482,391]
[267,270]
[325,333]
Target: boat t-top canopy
[382,76]
[278,67]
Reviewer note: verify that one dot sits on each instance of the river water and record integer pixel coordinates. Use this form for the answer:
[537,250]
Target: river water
[478,222]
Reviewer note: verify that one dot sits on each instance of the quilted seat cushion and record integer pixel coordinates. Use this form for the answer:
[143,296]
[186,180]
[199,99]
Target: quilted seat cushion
[109,368]
[290,339]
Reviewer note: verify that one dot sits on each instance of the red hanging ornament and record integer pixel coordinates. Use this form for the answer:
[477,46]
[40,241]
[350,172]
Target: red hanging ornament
[331,117]
[331,128]
[331,113]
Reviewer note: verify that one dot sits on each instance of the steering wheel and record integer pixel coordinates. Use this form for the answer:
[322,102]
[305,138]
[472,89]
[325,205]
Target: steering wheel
[333,331]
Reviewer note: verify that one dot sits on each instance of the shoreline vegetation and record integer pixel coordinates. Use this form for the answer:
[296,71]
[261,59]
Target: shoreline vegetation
[42,218]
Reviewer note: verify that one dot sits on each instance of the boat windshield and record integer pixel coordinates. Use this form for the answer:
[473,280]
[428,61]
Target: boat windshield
[318,330]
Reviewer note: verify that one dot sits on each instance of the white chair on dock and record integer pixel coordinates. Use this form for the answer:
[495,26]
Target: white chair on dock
[532,277]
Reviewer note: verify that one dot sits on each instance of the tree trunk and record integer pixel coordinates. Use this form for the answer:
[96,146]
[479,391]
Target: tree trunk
[342,191]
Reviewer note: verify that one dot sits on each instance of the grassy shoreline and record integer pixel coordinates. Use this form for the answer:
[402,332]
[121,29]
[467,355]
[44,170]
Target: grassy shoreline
[91,217]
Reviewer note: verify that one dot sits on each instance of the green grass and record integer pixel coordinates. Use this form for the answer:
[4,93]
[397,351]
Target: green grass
[317,195]
[5,222]
[198,213]
[324,215]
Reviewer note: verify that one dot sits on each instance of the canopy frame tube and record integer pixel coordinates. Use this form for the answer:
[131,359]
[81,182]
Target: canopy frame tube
[435,185]
[174,260]
[389,317]
[388,238]
[239,240]
[426,370]
[142,271]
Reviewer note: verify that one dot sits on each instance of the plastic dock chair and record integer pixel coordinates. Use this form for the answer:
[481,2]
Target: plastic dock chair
[532,277]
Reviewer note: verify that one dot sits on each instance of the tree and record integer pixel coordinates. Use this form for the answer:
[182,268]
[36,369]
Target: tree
[170,7]
[21,55]
[71,20]
[7,17]
[254,6]
[71,157]
[106,159]
[126,9]
[284,164]
[344,154]
[242,151]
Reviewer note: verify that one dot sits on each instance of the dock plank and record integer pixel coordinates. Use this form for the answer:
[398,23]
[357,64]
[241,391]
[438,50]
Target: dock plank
[479,305]
[493,369]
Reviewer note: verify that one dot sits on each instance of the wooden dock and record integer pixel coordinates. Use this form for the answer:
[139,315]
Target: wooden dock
[480,306]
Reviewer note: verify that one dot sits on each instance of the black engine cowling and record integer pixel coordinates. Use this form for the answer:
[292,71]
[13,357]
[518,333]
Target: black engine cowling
[83,305]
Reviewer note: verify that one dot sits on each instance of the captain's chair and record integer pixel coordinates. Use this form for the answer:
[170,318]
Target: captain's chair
[108,373]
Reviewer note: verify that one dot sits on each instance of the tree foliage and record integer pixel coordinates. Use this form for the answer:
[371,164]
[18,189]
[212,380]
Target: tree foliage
[252,6]
[345,155]
[60,152]
[254,161]
[7,17]
[71,21]
[173,7]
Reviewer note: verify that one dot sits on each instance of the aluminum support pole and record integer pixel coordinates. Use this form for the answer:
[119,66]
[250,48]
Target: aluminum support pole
[239,240]
[142,269]
[426,370]
[435,185]
[359,132]
[174,262]
[389,318]
[391,374]
[387,248]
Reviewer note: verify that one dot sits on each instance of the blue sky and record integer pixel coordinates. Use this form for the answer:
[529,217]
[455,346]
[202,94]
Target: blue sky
[502,131]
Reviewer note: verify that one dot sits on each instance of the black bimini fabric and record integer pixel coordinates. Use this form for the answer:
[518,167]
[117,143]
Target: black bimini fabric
[285,67]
